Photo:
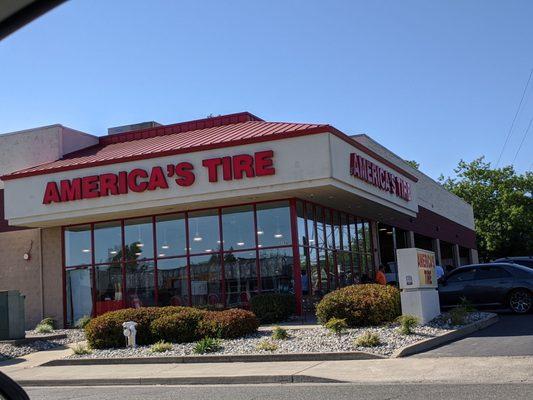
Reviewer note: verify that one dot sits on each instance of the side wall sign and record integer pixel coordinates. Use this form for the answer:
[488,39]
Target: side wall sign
[373,174]
[159,177]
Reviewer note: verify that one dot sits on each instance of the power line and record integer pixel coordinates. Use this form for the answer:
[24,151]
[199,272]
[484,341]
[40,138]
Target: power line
[514,119]
[523,139]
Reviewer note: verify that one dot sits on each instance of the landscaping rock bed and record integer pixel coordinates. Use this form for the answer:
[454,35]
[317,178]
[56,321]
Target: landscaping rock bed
[8,351]
[316,339]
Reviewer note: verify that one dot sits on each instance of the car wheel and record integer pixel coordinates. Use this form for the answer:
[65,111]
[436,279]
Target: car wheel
[520,301]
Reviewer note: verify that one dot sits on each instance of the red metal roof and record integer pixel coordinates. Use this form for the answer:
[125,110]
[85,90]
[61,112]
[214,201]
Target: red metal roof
[186,137]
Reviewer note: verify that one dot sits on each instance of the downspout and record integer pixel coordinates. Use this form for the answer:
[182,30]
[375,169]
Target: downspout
[41,272]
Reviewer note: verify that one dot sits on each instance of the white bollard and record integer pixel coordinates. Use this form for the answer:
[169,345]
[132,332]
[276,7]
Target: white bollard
[130,332]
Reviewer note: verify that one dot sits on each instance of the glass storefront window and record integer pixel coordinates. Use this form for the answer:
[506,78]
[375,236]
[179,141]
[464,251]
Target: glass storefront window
[311,224]
[204,233]
[345,244]
[305,271]
[108,288]
[171,235]
[240,270]
[276,270]
[337,230]
[78,245]
[320,229]
[172,282]
[329,230]
[316,284]
[323,268]
[140,285]
[107,242]
[302,235]
[139,238]
[238,228]
[79,294]
[274,224]
[206,280]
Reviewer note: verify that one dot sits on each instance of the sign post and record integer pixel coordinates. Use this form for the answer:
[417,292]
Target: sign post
[418,283]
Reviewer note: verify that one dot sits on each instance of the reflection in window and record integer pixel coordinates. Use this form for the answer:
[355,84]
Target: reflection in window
[345,242]
[107,242]
[172,282]
[206,280]
[302,236]
[274,224]
[276,270]
[238,227]
[108,288]
[78,245]
[315,271]
[311,225]
[79,295]
[305,273]
[140,291]
[329,230]
[204,232]
[171,235]
[321,233]
[139,238]
[240,271]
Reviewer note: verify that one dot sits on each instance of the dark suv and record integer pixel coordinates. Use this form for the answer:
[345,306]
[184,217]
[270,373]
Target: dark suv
[526,261]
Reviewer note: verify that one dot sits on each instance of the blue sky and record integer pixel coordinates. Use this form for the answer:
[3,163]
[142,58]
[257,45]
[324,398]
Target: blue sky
[434,81]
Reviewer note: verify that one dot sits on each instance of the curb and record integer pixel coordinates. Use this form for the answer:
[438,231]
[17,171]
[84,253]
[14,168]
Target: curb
[195,380]
[350,355]
[428,344]
[30,339]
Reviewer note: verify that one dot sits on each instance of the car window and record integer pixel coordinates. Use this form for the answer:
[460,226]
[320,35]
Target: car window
[492,272]
[461,276]
[525,263]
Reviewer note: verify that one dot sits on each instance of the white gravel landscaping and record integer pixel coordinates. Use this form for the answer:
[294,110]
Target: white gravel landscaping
[8,351]
[304,340]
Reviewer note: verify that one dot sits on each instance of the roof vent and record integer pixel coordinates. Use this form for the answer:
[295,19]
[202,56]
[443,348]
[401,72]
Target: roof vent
[133,127]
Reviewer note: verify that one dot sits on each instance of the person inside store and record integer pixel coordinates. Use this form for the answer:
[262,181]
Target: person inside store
[380,275]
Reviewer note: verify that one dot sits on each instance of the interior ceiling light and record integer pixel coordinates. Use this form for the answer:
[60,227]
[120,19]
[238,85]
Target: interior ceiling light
[161,255]
[278,235]
[113,252]
[165,246]
[260,232]
[382,229]
[197,239]
[138,253]
[140,244]
[208,250]
[240,243]
[86,251]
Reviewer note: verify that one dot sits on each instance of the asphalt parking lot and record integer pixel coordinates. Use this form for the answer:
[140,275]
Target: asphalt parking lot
[511,336]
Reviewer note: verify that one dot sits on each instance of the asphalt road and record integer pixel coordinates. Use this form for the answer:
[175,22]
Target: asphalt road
[511,336]
[292,392]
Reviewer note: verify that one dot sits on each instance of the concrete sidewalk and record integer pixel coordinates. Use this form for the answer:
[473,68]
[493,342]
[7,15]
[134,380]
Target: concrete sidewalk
[408,370]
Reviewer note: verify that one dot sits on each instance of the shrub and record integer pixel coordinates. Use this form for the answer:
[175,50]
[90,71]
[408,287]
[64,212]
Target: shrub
[407,323]
[82,322]
[173,324]
[105,331]
[467,305]
[267,345]
[228,324]
[360,305]
[273,307]
[181,327]
[458,316]
[279,333]
[368,339]
[337,326]
[81,349]
[161,347]
[44,328]
[49,321]
[207,345]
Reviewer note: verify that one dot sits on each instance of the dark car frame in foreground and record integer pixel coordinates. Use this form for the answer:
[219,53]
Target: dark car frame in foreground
[491,285]
[10,390]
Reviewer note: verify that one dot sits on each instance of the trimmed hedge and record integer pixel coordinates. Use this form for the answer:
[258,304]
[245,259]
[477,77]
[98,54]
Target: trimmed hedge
[173,324]
[178,328]
[273,307]
[228,324]
[361,305]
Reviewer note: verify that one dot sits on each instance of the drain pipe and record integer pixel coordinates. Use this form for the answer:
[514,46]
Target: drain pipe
[41,272]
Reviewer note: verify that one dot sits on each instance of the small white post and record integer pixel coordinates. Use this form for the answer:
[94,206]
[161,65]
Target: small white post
[130,332]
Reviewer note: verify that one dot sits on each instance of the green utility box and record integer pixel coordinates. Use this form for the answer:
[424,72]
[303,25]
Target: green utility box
[11,315]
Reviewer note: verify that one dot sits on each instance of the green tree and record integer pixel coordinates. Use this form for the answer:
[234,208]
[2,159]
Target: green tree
[413,163]
[503,206]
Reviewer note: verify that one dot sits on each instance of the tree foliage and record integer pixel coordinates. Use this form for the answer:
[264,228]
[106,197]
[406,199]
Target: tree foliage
[413,163]
[503,206]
